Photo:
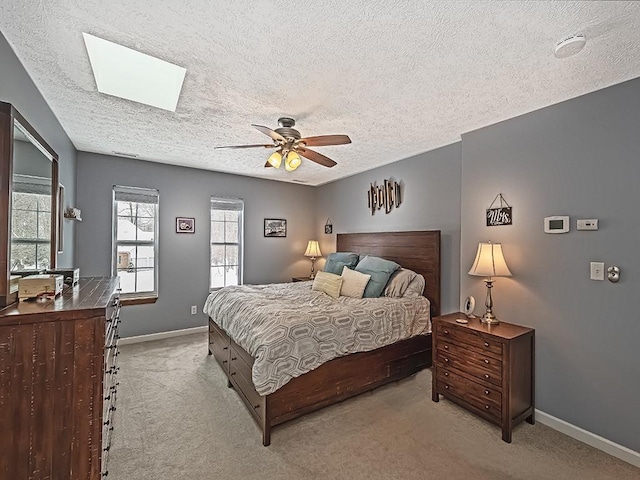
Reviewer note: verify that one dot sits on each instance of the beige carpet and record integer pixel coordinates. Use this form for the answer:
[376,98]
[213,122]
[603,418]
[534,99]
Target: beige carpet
[176,419]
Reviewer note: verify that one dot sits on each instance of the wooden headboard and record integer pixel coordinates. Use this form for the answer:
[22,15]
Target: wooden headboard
[418,251]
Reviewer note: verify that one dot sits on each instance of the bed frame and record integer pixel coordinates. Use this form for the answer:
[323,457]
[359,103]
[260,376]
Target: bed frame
[347,376]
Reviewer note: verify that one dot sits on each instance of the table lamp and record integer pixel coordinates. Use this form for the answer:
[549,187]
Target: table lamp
[313,251]
[489,263]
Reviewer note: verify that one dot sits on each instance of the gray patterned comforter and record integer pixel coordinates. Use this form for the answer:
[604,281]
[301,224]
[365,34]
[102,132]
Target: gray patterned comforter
[290,329]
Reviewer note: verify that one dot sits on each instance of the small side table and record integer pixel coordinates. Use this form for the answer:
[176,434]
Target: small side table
[487,369]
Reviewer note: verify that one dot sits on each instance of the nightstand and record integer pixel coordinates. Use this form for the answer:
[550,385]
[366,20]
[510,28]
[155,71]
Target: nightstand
[301,279]
[487,369]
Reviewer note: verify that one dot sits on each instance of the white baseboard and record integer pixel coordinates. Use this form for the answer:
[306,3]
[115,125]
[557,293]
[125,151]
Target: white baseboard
[596,441]
[159,336]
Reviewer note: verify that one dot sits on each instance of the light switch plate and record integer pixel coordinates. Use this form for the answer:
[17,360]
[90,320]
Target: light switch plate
[597,271]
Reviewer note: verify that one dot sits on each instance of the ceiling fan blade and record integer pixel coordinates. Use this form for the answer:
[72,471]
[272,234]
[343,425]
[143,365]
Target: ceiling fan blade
[323,140]
[267,131]
[315,157]
[247,146]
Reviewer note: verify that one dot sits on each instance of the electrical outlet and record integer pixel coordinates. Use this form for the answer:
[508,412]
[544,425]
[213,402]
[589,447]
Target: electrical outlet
[194,309]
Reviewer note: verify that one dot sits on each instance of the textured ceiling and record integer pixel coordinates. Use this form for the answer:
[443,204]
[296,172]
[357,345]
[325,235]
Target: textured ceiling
[399,77]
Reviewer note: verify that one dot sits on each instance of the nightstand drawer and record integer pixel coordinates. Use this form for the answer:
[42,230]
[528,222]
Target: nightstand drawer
[479,395]
[470,338]
[473,366]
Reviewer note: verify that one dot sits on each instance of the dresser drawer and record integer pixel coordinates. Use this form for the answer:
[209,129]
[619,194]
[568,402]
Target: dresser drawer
[473,366]
[486,398]
[469,338]
[240,373]
[219,344]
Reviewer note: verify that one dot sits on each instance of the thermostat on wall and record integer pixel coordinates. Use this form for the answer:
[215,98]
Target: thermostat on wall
[556,224]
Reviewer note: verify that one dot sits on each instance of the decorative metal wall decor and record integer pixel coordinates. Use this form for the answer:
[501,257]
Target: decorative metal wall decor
[501,215]
[388,195]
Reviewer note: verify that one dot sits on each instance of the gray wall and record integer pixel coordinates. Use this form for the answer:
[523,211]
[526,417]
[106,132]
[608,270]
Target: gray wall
[17,88]
[431,189]
[577,158]
[184,258]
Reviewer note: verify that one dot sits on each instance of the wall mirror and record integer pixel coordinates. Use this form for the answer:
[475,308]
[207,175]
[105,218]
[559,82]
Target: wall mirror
[29,210]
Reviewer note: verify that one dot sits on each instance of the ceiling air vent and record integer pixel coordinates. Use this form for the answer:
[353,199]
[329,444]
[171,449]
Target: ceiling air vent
[125,154]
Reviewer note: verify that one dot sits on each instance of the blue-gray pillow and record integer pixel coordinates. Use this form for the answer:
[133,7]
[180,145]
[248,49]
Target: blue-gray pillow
[337,261]
[380,271]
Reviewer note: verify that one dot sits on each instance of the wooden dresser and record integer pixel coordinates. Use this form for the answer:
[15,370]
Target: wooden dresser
[58,370]
[486,369]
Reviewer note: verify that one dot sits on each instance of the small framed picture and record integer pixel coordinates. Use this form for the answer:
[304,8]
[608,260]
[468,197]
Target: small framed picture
[185,225]
[275,227]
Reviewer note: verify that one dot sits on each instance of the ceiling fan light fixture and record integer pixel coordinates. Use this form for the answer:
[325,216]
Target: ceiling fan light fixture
[292,161]
[275,159]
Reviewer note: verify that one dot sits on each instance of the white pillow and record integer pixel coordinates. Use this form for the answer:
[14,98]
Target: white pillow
[328,283]
[353,283]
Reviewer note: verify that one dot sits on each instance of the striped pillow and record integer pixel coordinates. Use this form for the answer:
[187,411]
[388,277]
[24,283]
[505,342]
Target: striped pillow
[328,283]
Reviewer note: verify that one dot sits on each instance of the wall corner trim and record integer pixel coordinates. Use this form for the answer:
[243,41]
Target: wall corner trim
[596,441]
[159,336]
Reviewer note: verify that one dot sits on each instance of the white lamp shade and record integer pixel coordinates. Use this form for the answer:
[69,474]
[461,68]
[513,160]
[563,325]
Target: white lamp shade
[313,249]
[489,261]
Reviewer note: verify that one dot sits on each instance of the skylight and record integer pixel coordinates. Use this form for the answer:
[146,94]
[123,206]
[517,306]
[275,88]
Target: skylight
[128,74]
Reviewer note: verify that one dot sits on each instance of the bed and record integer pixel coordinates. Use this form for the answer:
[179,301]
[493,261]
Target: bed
[344,376]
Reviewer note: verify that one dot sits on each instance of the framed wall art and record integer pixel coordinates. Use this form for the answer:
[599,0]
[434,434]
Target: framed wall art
[275,227]
[185,225]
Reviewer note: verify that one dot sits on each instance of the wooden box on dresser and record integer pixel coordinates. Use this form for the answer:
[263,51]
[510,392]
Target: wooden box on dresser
[487,369]
[58,366]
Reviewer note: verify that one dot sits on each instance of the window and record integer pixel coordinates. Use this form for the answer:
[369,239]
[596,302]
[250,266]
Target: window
[30,223]
[226,242]
[135,246]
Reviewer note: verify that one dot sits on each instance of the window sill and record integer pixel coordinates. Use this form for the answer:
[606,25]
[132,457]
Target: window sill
[126,301]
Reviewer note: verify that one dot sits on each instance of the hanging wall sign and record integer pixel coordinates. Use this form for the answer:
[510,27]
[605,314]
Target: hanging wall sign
[387,196]
[499,214]
[328,227]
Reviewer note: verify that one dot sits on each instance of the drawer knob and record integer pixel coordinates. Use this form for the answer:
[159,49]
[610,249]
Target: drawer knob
[446,374]
[446,387]
[224,361]
[486,407]
[486,361]
[233,373]
[225,348]
[446,359]
[446,347]
[486,392]
[446,332]
[486,375]
[256,407]
[234,358]
[486,344]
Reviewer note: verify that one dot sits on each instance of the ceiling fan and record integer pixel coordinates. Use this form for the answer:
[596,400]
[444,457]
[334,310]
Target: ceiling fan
[290,145]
